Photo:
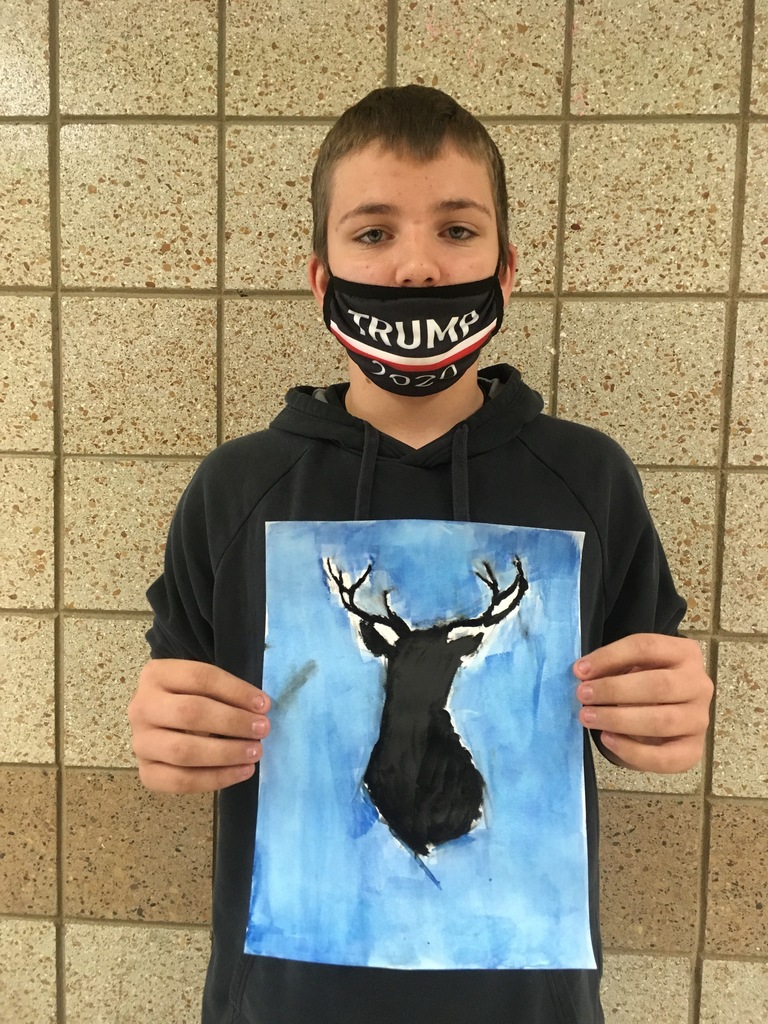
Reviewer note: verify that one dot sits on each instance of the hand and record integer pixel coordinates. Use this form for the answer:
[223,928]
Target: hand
[649,696]
[196,728]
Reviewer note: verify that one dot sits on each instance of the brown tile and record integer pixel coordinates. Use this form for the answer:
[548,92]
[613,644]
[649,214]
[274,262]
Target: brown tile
[656,362]
[27,700]
[24,88]
[102,661]
[525,341]
[740,764]
[754,250]
[627,58]
[28,971]
[638,989]
[268,214]
[134,854]
[649,861]
[649,207]
[279,60]
[139,375]
[114,542]
[165,64]
[26,526]
[28,840]
[745,562]
[748,442]
[501,60]
[733,992]
[26,370]
[134,974]
[531,156]
[138,205]
[25,254]
[760,59]
[737,922]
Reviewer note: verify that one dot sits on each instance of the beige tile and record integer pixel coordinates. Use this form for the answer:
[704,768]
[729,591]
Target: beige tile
[26,526]
[27,841]
[493,60]
[532,159]
[649,862]
[745,562]
[306,58]
[625,365]
[760,59]
[749,413]
[132,854]
[26,373]
[740,763]
[27,699]
[649,207]
[134,974]
[139,375]
[165,64]
[734,993]
[754,252]
[627,57]
[138,205]
[268,213]
[24,57]
[638,989]
[28,970]
[25,249]
[525,341]
[116,519]
[102,661]
[737,921]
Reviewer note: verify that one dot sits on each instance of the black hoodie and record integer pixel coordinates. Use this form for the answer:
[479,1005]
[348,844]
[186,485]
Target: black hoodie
[509,464]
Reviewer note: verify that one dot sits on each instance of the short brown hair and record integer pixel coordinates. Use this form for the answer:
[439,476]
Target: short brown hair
[411,119]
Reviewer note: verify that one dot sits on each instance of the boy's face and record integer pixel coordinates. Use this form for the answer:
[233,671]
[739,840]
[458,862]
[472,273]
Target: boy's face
[396,221]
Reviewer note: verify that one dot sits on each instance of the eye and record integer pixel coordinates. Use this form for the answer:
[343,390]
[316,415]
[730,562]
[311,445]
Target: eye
[458,233]
[371,237]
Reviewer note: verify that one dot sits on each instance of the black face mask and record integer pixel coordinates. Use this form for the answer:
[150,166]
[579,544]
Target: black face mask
[413,341]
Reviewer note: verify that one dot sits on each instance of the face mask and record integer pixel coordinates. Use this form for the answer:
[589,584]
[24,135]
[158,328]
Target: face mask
[413,341]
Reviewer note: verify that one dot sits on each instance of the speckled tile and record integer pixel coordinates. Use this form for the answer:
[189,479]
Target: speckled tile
[525,341]
[754,252]
[649,860]
[131,854]
[737,920]
[649,207]
[306,58]
[745,563]
[27,690]
[27,841]
[26,373]
[740,763]
[165,64]
[25,252]
[638,989]
[122,357]
[493,59]
[24,57]
[28,970]
[268,212]
[116,519]
[532,159]
[134,974]
[748,445]
[626,364]
[760,59]
[627,57]
[138,205]
[102,661]
[734,992]
[26,526]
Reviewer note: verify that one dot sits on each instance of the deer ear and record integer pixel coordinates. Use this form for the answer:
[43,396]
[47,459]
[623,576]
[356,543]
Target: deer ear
[376,639]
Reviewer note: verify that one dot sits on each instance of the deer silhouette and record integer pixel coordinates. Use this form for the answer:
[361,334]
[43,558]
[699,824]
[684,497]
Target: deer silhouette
[420,776]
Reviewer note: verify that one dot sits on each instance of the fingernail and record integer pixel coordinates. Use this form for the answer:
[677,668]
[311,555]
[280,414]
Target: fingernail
[583,667]
[586,693]
[257,727]
[258,701]
[608,738]
[251,752]
[247,770]
[588,716]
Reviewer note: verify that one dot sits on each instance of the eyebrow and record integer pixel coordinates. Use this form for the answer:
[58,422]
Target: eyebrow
[444,206]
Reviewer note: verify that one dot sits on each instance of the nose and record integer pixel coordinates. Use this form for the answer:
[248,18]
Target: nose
[417,264]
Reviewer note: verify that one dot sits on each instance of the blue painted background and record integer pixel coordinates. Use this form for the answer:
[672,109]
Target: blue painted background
[330,882]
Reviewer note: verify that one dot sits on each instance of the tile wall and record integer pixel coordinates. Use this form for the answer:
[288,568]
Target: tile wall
[154,226]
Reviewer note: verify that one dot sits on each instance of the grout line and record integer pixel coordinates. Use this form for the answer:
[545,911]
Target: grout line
[221,207]
[390,74]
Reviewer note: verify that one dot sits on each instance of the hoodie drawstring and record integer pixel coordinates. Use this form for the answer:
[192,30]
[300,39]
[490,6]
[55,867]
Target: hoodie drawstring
[367,469]
[460,473]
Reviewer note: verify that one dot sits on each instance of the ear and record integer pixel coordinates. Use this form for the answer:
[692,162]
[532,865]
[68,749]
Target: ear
[507,276]
[319,276]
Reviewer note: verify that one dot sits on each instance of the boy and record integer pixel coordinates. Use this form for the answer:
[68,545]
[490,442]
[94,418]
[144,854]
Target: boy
[412,267]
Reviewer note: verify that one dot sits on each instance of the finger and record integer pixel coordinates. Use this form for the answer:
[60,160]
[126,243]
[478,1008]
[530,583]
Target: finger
[647,721]
[189,713]
[656,686]
[164,778]
[185,750]
[203,679]
[665,758]
[636,652]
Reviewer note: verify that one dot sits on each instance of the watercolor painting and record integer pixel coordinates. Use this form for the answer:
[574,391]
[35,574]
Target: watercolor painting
[421,798]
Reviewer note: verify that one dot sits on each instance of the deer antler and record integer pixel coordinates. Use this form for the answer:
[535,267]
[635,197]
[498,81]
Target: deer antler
[503,602]
[347,595]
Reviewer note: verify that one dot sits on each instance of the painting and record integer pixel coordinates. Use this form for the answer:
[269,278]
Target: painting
[421,794]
